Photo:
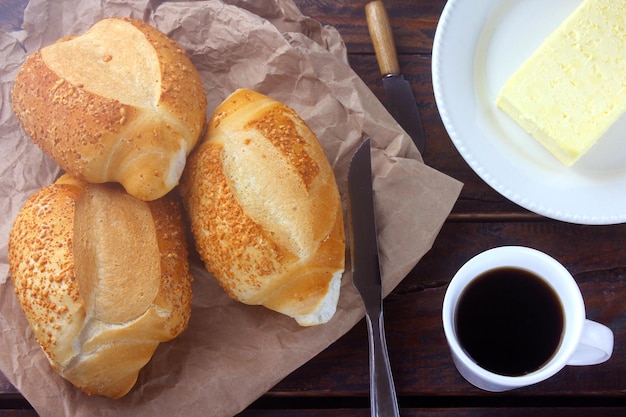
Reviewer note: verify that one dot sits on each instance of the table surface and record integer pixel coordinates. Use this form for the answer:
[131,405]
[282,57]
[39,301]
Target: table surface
[335,383]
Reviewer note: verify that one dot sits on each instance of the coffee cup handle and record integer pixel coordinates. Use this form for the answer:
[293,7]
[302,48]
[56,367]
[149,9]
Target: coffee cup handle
[595,346]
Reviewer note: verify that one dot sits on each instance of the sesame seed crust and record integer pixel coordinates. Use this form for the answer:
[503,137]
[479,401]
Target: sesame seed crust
[264,207]
[234,247]
[100,357]
[119,103]
[42,269]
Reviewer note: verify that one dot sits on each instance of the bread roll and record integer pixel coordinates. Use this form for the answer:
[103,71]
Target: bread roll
[264,209]
[120,103]
[102,278]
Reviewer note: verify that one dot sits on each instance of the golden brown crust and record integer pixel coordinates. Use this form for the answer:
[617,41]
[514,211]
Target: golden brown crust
[96,333]
[234,247]
[264,207]
[175,288]
[112,127]
[42,269]
[279,125]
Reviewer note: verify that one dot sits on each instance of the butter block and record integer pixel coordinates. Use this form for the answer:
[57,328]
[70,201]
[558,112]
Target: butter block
[572,89]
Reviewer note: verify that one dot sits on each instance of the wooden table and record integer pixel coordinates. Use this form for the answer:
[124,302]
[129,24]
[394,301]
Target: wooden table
[335,383]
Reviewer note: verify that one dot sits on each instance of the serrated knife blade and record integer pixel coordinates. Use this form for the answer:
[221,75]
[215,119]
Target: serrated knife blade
[367,279]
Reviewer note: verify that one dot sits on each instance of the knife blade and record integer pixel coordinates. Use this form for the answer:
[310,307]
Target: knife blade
[367,279]
[400,101]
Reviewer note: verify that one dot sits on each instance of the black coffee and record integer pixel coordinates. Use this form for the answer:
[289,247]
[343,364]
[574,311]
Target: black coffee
[509,321]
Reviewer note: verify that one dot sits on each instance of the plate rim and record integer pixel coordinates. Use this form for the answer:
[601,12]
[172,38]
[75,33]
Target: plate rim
[442,34]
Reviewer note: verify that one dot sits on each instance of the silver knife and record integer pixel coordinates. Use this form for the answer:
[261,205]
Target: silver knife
[400,101]
[367,280]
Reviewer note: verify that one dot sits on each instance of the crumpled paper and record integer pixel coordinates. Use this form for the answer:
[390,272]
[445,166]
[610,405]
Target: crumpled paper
[231,353]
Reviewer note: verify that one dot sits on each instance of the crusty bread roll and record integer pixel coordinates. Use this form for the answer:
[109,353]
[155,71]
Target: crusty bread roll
[120,103]
[102,278]
[264,209]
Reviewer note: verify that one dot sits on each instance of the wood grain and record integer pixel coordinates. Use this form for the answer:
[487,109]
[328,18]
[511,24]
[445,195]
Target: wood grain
[335,383]
[381,34]
[419,358]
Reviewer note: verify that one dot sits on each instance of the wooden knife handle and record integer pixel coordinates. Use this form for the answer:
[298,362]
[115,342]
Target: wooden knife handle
[382,37]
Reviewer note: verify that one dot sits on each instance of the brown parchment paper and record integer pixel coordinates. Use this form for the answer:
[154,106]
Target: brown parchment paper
[231,353]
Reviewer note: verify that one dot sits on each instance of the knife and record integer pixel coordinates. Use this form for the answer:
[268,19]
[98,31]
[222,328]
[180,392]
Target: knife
[367,280]
[400,101]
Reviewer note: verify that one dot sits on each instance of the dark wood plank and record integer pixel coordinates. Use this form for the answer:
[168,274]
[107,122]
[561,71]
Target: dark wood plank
[440,154]
[336,382]
[443,412]
[421,362]
[5,386]
[413,22]
[412,412]
[420,359]
[414,25]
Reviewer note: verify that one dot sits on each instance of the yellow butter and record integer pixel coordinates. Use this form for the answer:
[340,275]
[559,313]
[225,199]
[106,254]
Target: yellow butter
[572,89]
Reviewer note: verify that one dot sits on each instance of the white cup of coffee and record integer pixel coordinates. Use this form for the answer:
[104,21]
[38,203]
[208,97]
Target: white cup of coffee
[514,316]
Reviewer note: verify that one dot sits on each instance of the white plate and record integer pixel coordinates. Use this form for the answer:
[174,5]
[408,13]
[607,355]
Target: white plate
[478,45]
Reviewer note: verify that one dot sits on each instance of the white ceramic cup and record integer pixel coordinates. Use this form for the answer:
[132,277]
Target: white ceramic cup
[583,342]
